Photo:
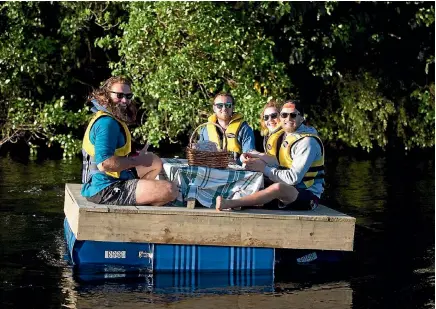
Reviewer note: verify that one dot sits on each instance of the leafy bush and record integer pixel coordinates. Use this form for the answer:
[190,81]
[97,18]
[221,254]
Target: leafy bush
[364,70]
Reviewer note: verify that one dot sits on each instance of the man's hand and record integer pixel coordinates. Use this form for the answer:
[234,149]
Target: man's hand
[249,155]
[254,164]
[244,157]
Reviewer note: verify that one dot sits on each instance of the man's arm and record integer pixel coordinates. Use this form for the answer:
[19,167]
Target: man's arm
[203,135]
[271,161]
[305,152]
[118,164]
[246,138]
[104,135]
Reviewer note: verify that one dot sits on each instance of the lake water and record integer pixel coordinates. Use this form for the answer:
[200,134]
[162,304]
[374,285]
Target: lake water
[392,266]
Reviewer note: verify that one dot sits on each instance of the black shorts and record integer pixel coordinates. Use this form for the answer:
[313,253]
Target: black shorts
[306,200]
[122,192]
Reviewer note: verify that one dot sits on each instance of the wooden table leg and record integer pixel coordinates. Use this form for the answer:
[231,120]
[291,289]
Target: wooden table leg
[191,203]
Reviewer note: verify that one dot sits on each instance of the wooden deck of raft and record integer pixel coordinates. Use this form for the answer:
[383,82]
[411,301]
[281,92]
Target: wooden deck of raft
[321,229]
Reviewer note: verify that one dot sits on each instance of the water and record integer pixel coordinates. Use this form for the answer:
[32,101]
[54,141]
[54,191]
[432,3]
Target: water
[392,265]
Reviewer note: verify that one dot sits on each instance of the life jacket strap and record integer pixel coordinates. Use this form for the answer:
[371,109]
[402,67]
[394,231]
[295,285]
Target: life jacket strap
[316,168]
[307,178]
[89,167]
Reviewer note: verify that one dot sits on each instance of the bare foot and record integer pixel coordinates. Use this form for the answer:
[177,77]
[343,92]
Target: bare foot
[218,203]
[222,204]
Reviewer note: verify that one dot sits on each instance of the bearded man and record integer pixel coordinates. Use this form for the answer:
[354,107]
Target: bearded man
[109,175]
[297,175]
[239,135]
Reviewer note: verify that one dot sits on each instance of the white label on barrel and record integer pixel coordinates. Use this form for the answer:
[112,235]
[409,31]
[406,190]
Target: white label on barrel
[145,254]
[115,254]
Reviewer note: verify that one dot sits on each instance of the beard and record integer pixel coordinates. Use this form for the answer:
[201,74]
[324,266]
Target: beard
[289,129]
[125,112]
[224,117]
[292,127]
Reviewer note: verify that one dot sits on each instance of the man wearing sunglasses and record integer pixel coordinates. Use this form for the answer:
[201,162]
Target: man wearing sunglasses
[298,178]
[239,135]
[109,175]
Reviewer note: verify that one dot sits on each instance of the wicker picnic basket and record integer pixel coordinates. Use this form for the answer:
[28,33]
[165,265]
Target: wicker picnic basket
[215,159]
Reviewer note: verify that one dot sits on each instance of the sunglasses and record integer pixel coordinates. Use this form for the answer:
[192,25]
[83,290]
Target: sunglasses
[273,116]
[221,105]
[121,95]
[292,115]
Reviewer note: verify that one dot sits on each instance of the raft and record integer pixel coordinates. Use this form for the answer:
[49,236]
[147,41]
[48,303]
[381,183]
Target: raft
[180,239]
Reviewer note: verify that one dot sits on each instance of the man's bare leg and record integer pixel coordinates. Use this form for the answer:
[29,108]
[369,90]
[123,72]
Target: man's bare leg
[150,172]
[275,191]
[155,192]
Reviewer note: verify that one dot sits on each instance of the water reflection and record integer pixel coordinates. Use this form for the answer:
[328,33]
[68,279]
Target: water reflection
[392,266]
[159,291]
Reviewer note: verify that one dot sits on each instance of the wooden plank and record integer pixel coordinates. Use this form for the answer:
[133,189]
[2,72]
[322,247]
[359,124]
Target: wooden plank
[191,203]
[71,210]
[323,228]
[218,231]
[322,213]
[123,209]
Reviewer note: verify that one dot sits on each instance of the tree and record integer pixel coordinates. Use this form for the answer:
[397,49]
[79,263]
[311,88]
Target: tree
[45,70]
[179,54]
[364,70]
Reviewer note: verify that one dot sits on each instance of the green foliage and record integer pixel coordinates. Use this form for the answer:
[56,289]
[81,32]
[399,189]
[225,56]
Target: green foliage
[362,116]
[374,60]
[39,59]
[364,70]
[37,121]
[179,54]
[422,122]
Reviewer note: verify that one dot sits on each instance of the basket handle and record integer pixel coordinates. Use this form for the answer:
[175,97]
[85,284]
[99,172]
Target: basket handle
[219,127]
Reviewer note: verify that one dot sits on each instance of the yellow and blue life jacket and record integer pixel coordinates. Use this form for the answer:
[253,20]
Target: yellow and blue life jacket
[271,144]
[88,149]
[231,133]
[316,170]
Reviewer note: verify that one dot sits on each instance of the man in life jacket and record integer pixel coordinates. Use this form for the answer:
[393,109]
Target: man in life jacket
[239,135]
[109,174]
[297,175]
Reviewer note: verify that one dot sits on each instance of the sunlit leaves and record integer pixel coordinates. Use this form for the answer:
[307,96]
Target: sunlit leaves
[422,124]
[366,69]
[362,118]
[179,54]
[41,46]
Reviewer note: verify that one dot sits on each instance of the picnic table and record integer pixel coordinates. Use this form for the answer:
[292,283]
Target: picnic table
[204,184]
